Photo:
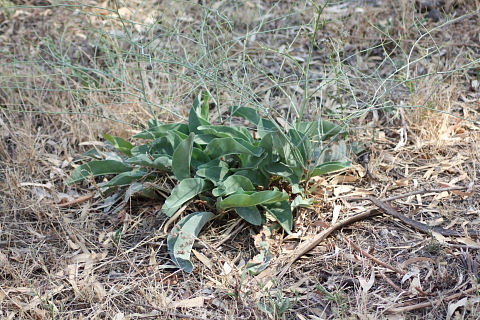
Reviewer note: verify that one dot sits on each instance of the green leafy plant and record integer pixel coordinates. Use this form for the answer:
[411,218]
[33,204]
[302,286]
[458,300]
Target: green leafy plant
[225,165]
[276,306]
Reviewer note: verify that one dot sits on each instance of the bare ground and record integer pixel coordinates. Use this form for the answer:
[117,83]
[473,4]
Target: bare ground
[405,83]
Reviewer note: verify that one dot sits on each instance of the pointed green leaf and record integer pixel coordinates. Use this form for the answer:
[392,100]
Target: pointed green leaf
[323,130]
[159,162]
[247,113]
[198,116]
[232,184]
[152,123]
[282,212]
[120,144]
[214,163]
[182,237]
[253,199]
[97,168]
[282,170]
[302,143]
[142,149]
[256,177]
[264,126]
[251,215]
[184,191]
[203,139]
[228,132]
[182,157]
[126,178]
[163,146]
[175,138]
[161,130]
[214,174]
[300,202]
[221,147]
[199,158]
[328,167]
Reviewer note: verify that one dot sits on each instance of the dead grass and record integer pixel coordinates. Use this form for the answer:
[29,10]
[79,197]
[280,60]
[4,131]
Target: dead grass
[70,71]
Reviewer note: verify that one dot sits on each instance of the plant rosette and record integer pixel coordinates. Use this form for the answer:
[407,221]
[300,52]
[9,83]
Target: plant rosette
[224,165]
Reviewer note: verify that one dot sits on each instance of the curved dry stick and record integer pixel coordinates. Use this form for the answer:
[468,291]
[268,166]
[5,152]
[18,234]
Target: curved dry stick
[418,225]
[313,242]
[432,303]
[377,261]
[76,202]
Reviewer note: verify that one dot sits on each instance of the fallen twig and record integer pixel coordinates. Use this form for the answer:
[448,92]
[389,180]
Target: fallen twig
[418,225]
[377,261]
[432,303]
[313,242]
[77,201]
[391,283]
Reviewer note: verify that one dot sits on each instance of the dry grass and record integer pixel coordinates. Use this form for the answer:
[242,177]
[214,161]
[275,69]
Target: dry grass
[71,70]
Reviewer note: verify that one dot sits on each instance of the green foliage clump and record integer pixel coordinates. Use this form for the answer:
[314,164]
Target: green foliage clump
[224,165]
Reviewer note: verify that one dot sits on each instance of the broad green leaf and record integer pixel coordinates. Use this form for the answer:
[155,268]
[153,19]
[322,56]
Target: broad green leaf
[221,147]
[142,149]
[93,153]
[97,168]
[250,162]
[184,191]
[256,177]
[128,177]
[264,126]
[296,189]
[251,215]
[228,132]
[328,167]
[282,147]
[276,145]
[247,113]
[151,193]
[175,138]
[182,157]
[182,237]
[300,202]
[120,144]
[161,130]
[199,158]
[232,184]
[282,212]
[163,146]
[159,162]
[253,199]
[198,116]
[214,163]
[203,139]
[214,174]
[114,156]
[282,170]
